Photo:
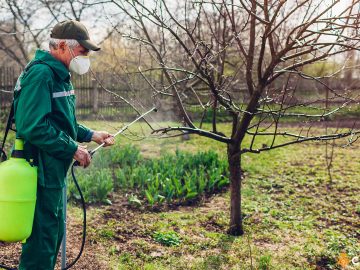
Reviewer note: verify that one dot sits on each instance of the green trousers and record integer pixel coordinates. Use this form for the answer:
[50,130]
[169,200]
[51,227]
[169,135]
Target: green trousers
[41,248]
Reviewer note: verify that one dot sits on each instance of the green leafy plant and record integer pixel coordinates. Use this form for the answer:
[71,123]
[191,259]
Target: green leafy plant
[127,155]
[169,238]
[95,185]
[172,178]
[180,177]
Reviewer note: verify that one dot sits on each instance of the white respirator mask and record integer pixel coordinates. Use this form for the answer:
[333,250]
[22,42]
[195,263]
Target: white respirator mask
[79,64]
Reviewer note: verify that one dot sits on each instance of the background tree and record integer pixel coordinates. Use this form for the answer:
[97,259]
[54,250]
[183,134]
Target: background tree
[25,25]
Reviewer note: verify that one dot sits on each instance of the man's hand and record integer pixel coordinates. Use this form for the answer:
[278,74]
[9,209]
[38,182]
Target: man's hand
[103,137]
[82,155]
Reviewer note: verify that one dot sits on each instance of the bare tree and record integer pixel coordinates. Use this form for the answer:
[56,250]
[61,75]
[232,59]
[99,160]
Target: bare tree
[26,24]
[16,30]
[209,51]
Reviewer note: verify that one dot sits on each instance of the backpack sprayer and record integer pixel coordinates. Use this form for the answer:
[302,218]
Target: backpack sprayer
[18,181]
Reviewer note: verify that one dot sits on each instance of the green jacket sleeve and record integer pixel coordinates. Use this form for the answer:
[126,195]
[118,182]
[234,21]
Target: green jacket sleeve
[32,116]
[84,134]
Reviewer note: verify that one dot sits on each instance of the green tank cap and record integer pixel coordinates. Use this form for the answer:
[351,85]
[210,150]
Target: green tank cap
[19,144]
[18,151]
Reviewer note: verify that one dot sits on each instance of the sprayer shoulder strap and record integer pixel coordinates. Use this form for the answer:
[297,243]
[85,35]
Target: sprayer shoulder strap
[7,128]
[10,120]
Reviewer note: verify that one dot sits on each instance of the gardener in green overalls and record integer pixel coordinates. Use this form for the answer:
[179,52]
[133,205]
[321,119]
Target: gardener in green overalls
[45,119]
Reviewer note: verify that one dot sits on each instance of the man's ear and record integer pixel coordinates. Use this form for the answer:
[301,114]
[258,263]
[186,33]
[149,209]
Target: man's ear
[62,46]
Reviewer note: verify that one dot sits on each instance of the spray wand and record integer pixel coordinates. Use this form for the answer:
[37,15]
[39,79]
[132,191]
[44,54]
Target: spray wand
[124,128]
[92,152]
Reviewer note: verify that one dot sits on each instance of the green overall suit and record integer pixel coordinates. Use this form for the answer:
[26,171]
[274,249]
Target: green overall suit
[44,104]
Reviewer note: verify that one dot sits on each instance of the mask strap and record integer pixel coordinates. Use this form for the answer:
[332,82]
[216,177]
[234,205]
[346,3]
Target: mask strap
[71,51]
[73,55]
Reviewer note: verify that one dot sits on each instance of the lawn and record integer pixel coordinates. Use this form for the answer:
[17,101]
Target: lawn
[294,216]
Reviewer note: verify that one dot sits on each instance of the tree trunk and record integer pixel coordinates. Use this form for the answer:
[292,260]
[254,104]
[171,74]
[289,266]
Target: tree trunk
[236,227]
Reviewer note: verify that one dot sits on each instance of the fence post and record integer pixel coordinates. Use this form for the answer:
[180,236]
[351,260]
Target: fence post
[95,89]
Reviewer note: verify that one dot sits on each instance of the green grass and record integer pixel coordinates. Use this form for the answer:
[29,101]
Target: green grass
[294,217]
[294,114]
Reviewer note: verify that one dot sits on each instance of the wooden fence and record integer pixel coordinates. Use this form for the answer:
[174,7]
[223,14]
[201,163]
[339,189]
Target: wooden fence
[92,101]
[8,77]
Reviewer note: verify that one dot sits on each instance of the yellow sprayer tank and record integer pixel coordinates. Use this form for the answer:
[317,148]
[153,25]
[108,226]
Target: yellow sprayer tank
[18,181]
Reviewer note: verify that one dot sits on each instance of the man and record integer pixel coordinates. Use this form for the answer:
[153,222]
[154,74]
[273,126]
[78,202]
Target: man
[44,104]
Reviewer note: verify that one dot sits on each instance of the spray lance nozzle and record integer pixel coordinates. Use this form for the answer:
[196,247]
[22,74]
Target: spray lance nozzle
[92,152]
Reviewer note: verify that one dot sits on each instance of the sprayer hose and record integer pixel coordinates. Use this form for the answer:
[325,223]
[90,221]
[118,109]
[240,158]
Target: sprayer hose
[84,223]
